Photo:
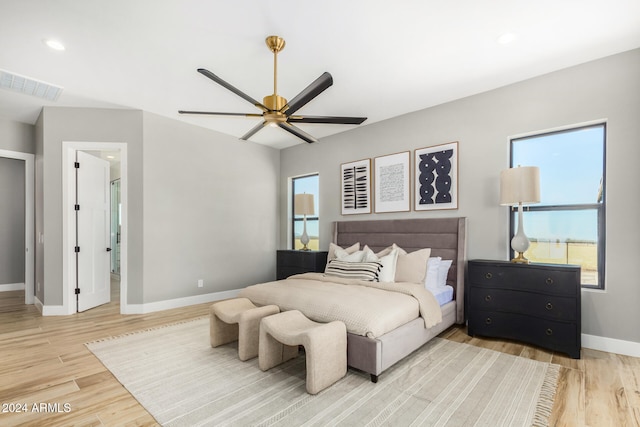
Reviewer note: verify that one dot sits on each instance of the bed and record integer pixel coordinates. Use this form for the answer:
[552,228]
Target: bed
[408,329]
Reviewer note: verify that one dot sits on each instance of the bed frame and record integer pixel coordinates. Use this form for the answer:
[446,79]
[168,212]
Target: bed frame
[447,238]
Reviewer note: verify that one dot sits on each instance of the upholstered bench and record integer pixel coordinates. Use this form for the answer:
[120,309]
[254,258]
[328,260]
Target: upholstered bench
[325,345]
[238,319]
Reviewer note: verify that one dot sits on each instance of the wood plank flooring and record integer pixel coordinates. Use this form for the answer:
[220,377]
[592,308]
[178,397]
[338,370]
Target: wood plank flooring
[45,366]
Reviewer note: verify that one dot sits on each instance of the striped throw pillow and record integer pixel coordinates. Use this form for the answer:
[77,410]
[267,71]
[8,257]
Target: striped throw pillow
[354,270]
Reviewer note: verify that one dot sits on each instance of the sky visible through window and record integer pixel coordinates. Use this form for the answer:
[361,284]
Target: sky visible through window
[571,169]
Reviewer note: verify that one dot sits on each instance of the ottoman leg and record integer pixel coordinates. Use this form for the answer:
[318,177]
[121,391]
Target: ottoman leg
[326,350]
[272,352]
[221,332]
[249,330]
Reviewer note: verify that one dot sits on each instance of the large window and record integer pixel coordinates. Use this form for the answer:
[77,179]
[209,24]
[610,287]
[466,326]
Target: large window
[299,185]
[568,225]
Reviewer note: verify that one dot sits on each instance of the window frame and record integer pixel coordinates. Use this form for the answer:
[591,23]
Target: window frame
[292,195]
[599,207]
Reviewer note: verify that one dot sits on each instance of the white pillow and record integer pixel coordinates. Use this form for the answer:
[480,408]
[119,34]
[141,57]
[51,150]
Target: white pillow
[333,248]
[443,271]
[388,262]
[342,255]
[431,281]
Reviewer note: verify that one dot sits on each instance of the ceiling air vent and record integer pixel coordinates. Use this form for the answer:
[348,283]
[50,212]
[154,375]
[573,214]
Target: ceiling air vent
[29,86]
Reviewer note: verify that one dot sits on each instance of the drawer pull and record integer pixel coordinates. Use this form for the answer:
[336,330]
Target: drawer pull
[549,331]
[488,320]
[488,276]
[487,298]
[549,306]
[549,281]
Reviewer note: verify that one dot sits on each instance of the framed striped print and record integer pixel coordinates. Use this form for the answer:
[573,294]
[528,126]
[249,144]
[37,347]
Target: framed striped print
[355,185]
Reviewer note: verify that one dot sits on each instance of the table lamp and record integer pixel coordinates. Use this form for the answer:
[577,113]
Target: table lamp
[303,205]
[520,186]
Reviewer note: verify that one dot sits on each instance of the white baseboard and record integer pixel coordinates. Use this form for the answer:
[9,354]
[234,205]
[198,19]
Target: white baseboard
[38,304]
[611,345]
[12,287]
[178,302]
[53,310]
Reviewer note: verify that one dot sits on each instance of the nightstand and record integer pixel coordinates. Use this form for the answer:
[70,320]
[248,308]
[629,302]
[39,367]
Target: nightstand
[289,262]
[534,303]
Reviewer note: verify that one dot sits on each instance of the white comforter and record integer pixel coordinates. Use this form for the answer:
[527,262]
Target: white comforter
[367,308]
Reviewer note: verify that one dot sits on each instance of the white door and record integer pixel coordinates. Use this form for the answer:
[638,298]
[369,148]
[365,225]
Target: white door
[93,234]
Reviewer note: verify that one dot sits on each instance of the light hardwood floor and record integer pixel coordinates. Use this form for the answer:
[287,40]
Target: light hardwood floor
[44,360]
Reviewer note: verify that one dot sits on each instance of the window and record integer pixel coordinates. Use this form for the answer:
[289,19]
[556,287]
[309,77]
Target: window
[305,184]
[568,225]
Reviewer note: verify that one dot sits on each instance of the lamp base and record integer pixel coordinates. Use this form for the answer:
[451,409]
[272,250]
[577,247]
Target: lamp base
[305,248]
[520,259]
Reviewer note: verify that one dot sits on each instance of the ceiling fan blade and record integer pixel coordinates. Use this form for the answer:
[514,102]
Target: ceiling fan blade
[214,113]
[233,89]
[327,119]
[297,132]
[318,86]
[253,131]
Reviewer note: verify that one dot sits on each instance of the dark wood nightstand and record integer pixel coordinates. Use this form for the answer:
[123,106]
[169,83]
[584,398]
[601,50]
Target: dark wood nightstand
[289,262]
[535,303]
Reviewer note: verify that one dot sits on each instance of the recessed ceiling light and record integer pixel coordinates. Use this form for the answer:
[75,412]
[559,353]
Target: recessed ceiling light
[54,44]
[507,38]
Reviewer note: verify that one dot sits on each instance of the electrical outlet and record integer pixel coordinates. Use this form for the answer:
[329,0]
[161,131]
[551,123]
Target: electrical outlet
[38,286]
[200,283]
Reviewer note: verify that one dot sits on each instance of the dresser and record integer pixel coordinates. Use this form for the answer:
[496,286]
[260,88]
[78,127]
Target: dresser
[534,303]
[290,262]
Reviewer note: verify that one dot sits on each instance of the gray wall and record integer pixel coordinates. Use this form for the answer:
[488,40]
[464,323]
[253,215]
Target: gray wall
[12,215]
[605,89]
[210,210]
[59,124]
[15,136]
[201,205]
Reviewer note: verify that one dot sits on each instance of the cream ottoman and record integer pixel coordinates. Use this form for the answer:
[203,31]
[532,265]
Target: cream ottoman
[238,319]
[325,345]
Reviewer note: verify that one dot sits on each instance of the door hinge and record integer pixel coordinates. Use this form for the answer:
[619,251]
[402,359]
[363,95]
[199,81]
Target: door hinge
[77,249]
[77,291]
[77,207]
[76,165]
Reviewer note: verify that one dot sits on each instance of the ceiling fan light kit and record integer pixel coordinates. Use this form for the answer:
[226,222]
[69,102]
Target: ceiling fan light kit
[276,110]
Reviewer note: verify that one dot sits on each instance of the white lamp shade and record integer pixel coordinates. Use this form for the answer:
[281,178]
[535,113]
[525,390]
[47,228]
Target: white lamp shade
[303,204]
[520,185]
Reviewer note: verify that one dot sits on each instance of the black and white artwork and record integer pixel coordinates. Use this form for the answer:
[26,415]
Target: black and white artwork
[356,187]
[391,183]
[436,185]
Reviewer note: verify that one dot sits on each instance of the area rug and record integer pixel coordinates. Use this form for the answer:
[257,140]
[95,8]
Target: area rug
[175,374]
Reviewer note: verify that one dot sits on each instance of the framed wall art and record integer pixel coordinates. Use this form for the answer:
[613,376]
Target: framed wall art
[392,183]
[436,177]
[355,185]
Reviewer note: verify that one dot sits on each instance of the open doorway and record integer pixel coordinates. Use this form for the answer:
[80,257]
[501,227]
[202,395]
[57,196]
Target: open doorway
[116,155]
[23,165]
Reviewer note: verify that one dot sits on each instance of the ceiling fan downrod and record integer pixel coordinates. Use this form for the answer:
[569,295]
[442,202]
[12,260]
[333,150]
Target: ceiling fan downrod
[275,102]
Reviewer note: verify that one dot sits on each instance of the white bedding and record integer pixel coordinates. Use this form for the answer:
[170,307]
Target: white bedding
[443,294]
[367,308]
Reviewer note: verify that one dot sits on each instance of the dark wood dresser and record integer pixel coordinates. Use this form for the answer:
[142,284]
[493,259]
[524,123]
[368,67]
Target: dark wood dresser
[289,262]
[534,303]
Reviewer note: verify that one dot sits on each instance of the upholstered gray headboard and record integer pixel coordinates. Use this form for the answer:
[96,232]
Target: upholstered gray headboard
[445,236]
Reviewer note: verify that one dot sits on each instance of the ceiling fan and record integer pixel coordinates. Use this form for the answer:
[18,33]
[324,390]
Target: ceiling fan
[276,110]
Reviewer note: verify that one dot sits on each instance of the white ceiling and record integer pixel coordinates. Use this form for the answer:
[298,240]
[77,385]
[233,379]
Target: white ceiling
[387,58]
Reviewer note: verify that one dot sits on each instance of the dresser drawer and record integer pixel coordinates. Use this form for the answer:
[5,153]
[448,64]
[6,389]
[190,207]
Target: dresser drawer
[556,280]
[506,300]
[554,335]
